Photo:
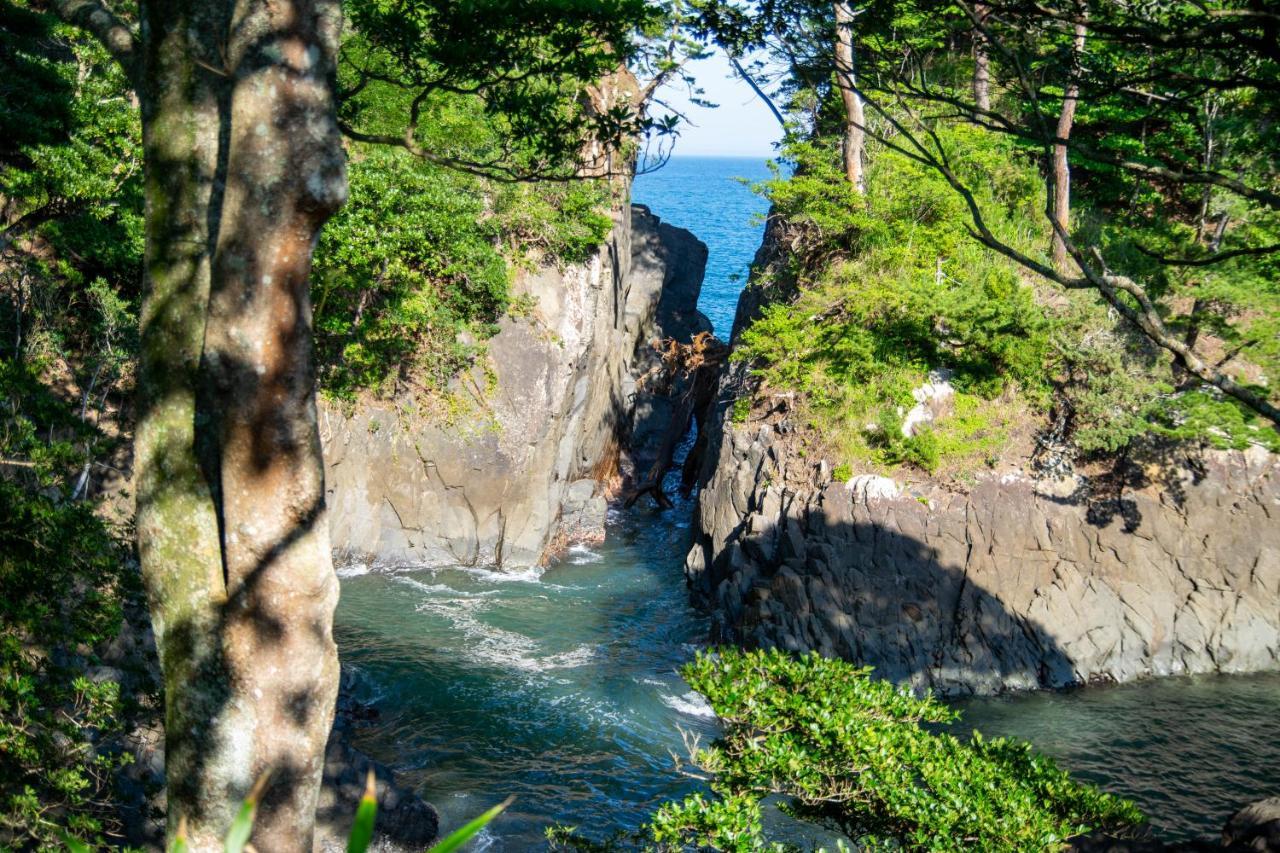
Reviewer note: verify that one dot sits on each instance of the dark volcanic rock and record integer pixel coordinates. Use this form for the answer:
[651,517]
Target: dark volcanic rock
[1018,584]
[1255,827]
[405,821]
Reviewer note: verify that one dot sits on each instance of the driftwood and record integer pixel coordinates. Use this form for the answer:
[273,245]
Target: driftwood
[696,366]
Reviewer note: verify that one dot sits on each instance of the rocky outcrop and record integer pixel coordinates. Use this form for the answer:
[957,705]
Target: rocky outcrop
[1017,584]
[1255,827]
[524,469]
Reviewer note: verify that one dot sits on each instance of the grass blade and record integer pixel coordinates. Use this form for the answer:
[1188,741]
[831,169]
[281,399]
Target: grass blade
[74,845]
[179,842]
[366,813]
[242,826]
[460,836]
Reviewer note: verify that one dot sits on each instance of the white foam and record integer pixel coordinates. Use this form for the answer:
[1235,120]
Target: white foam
[442,589]
[533,574]
[690,703]
[493,646]
[483,840]
[583,554]
[352,570]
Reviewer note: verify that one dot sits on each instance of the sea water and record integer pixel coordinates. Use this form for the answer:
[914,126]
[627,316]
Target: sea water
[560,686]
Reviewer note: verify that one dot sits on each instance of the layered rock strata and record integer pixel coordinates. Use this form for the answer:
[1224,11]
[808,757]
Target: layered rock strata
[523,471]
[1017,584]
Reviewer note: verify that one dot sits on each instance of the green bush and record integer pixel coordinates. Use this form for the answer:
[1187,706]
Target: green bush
[891,286]
[61,579]
[870,760]
[414,272]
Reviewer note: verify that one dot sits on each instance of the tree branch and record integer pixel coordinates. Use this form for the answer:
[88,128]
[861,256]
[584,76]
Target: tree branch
[115,35]
[1146,316]
[1215,258]
[755,87]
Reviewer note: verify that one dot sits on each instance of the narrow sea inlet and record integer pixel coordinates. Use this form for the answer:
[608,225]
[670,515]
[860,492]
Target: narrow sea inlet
[560,686]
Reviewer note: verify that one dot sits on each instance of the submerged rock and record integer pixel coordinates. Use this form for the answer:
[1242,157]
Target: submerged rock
[1255,827]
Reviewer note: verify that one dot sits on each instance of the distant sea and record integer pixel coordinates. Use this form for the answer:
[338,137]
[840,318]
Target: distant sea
[707,196]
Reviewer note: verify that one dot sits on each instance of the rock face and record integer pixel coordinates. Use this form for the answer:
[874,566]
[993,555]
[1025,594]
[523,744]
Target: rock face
[1019,584]
[524,472]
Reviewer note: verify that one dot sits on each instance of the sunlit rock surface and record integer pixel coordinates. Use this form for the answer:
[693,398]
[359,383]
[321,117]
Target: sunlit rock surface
[526,471]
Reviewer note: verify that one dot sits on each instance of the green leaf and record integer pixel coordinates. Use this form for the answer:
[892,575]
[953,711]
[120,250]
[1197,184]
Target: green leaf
[242,826]
[366,813]
[460,836]
[75,845]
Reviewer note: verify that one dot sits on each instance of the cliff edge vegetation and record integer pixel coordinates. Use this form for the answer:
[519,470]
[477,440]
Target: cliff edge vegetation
[991,236]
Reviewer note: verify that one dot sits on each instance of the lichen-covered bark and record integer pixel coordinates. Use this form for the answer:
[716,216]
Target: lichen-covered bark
[177,524]
[244,165]
[285,176]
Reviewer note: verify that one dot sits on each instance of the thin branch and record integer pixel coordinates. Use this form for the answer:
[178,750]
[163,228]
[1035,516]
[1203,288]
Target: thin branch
[494,170]
[755,87]
[1216,258]
[1095,274]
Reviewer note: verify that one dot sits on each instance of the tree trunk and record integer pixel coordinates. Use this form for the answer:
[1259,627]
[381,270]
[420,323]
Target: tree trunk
[855,118]
[1061,167]
[981,62]
[244,165]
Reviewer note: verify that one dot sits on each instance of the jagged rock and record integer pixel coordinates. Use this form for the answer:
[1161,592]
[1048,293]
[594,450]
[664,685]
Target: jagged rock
[405,822]
[934,400]
[1009,587]
[1255,827]
[499,490]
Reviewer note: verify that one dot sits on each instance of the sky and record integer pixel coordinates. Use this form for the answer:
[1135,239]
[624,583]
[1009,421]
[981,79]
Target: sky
[741,126]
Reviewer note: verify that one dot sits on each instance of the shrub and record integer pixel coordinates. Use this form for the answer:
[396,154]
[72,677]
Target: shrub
[870,760]
[892,286]
[70,169]
[412,275]
[60,594]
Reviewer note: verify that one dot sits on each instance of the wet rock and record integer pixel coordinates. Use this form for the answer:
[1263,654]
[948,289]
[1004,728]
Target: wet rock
[405,822]
[1255,827]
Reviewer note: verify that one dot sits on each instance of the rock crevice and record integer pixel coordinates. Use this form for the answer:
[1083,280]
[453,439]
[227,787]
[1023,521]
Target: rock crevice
[528,470]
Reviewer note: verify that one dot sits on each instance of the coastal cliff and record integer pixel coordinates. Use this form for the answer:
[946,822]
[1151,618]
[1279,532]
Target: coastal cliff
[1163,561]
[527,470]
[1018,584]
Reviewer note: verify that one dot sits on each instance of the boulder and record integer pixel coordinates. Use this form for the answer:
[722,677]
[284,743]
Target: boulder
[1256,827]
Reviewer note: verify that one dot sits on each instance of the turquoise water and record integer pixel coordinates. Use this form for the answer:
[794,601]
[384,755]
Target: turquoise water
[560,686]
[708,196]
